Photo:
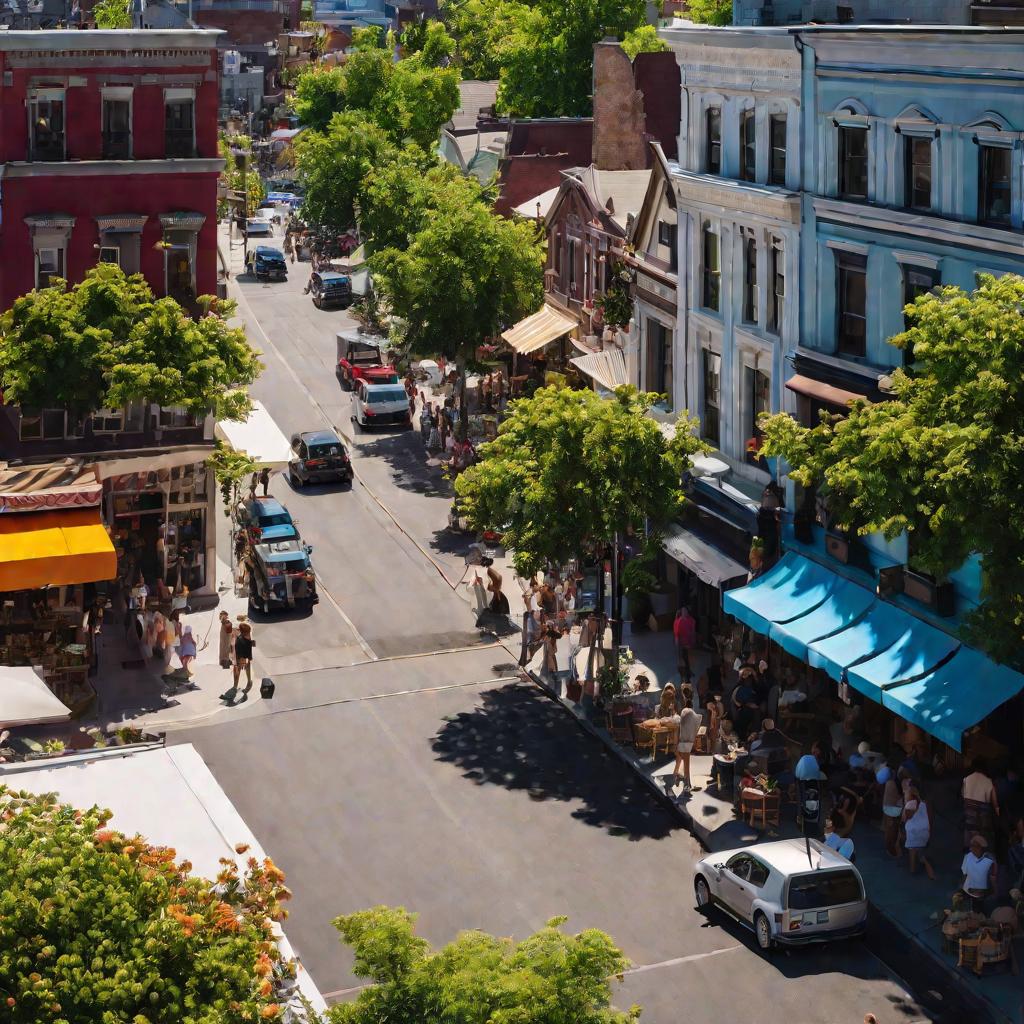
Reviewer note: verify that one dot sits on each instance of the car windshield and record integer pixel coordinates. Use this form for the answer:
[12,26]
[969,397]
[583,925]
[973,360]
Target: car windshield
[270,254]
[276,519]
[365,355]
[386,395]
[324,451]
[819,889]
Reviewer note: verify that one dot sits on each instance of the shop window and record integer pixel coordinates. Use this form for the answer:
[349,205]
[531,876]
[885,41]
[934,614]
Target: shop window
[917,156]
[748,146]
[179,127]
[659,361]
[777,149]
[710,413]
[853,162]
[49,264]
[713,139]
[667,236]
[750,290]
[108,421]
[712,271]
[758,400]
[117,128]
[46,119]
[42,424]
[776,285]
[851,304]
[994,191]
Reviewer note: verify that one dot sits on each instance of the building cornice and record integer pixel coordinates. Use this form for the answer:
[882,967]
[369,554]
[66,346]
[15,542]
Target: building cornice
[105,168]
[122,222]
[65,41]
[736,197]
[956,233]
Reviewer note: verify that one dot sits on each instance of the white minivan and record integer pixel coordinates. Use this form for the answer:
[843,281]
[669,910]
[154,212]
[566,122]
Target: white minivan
[379,405]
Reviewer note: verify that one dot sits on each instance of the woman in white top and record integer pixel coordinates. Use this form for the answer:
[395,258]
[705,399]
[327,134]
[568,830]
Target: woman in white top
[917,827]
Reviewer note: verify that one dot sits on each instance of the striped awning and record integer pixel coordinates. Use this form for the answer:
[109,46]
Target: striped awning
[607,368]
[539,329]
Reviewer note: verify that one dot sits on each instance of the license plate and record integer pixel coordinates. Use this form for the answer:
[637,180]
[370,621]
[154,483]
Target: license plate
[822,917]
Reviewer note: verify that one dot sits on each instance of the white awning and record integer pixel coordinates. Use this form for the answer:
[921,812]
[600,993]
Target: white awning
[147,462]
[607,368]
[258,436]
[706,562]
[25,699]
[539,329]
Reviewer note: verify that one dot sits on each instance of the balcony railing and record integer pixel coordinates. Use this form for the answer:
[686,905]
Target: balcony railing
[117,145]
[179,143]
[277,6]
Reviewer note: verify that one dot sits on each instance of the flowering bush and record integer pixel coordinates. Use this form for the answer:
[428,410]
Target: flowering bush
[98,927]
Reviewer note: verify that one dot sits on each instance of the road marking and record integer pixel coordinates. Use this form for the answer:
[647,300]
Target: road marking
[676,961]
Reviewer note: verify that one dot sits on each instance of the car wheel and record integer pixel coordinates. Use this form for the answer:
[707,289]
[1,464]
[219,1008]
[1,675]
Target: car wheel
[295,481]
[702,891]
[763,932]
[316,302]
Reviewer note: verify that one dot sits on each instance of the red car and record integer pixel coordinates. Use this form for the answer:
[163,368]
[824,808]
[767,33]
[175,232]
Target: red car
[359,359]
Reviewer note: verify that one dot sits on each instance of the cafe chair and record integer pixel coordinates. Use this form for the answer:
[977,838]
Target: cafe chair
[643,738]
[760,809]
[668,737]
[620,723]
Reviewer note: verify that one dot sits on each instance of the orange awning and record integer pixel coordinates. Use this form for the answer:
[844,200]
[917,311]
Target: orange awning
[56,548]
[821,391]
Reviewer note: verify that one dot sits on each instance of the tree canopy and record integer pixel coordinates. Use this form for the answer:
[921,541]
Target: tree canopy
[710,12]
[644,39]
[107,341]
[944,459]
[549,977]
[570,468]
[99,927]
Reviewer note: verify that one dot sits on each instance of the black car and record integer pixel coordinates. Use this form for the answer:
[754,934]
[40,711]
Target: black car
[329,288]
[267,264]
[317,456]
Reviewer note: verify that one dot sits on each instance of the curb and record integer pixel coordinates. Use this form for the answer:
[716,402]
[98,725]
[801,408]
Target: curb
[885,937]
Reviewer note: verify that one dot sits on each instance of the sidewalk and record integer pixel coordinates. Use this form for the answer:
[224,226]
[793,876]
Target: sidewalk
[909,907]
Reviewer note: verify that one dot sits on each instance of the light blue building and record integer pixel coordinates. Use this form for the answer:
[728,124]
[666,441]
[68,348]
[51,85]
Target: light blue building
[350,14]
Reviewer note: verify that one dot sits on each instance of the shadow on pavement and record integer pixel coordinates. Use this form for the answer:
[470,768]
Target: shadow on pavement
[403,452]
[517,738]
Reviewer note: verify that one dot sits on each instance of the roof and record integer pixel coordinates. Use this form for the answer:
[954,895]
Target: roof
[382,387]
[537,152]
[333,275]
[282,551]
[43,40]
[789,856]
[473,95]
[538,206]
[320,437]
[268,506]
[265,249]
[621,193]
[285,134]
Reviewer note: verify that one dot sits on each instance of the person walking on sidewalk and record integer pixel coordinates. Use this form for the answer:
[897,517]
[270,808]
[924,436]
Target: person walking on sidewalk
[227,636]
[689,723]
[187,648]
[244,644]
[917,827]
[892,809]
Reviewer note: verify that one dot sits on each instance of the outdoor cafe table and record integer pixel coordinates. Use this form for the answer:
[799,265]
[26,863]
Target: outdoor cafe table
[724,768]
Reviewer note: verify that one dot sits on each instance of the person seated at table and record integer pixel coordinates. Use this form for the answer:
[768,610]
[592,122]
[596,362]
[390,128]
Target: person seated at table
[843,845]
[768,738]
[979,870]
[727,735]
[667,704]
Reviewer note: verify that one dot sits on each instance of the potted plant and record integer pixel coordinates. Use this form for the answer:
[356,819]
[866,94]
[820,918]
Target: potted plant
[756,554]
[637,582]
[52,748]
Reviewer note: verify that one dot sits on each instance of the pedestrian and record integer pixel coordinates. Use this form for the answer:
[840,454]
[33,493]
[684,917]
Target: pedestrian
[981,805]
[265,480]
[917,828]
[979,870]
[892,808]
[187,649]
[244,644]
[227,635]
[499,602]
[689,724]
[549,664]
[667,704]
[684,630]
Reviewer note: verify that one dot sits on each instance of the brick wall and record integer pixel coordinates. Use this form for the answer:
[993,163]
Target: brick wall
[618,112]
[244,28]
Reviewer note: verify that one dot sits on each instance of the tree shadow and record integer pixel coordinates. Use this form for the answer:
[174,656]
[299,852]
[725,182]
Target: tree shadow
[518,738]
[404,455]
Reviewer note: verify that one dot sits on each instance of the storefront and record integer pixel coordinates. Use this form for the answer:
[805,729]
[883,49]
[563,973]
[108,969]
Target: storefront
[540,345]
[919,687]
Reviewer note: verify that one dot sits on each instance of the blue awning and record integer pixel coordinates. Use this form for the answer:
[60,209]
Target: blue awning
[845,604]
[956,696]
[793,587]
[919,650]
[875,632]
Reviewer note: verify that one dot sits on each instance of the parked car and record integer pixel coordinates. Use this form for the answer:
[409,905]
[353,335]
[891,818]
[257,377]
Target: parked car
[281,575]
[790,892]
[359,359]
[329,288]
[318,455]
[266,519]
[379,405]
[257,227]
[267,263]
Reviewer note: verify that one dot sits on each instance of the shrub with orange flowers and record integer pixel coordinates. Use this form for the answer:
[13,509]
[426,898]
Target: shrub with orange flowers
[97,926]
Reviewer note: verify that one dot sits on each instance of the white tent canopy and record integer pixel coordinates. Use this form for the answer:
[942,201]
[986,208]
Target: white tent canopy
[258,436]
[25,699]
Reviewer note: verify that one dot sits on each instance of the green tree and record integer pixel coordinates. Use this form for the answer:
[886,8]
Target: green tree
[107,341]
[944,459]
[96,926]
[485,31]
[466,274]
[113,13]
[318,95]
[570,469]
[644,39]
[710,12]
[233,177]
[431,41]
[550,976]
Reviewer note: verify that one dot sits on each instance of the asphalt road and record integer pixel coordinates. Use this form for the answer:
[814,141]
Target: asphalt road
[441,782]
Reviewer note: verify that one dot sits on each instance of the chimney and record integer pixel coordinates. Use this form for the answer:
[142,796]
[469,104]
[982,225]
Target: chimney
[619,121]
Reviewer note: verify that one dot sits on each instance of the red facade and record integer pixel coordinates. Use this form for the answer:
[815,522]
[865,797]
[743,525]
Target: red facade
[108,141]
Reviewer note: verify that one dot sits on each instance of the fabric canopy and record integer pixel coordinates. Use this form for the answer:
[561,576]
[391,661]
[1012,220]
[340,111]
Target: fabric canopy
[707,563]
[25,699]
[607,368]
[793,587]
[539,329]
[54,548]
[823,392]
[956,696]
[876,631]
[845,604]
[258,436]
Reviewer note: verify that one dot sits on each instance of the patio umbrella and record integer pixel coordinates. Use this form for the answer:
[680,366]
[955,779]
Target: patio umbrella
[25,699]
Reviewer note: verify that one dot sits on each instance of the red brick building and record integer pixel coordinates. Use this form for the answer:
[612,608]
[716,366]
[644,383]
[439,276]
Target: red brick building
[108,151]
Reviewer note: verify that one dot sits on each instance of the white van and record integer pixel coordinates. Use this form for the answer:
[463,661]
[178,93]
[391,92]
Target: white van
[381,405]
